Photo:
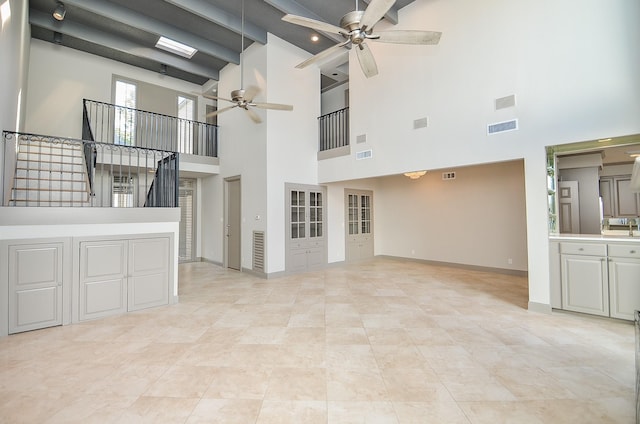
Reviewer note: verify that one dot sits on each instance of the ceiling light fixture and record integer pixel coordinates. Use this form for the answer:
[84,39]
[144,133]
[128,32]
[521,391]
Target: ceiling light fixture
[59,12]
[415,175]
[604,140]
[315,38]
[175,47]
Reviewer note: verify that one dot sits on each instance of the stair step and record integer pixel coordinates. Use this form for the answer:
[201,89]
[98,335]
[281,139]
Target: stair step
[49,203]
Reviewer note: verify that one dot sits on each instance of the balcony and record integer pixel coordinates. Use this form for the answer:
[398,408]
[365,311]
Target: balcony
[334,134]
[110,124]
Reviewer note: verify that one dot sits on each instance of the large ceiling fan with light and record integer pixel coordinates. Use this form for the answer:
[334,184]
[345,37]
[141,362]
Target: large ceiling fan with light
[357,27]
[242,98]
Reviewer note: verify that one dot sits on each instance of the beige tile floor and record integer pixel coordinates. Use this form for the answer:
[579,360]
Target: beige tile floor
[384,341]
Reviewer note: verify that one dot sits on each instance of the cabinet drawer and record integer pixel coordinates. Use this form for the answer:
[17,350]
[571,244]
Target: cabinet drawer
[583,249]
[625,250]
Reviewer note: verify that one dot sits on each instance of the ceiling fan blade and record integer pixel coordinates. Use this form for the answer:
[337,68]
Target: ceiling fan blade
[251,92]
[313,24]
[274,106]
[322,55]
[375,11]
[209,96]
[219,111]
[253,115]
[409,37]
[367,62]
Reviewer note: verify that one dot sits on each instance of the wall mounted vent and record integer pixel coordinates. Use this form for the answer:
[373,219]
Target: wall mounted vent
[258,251]
[449,175]
[420,123]
[505,102]
[502,126]
[365,154]
[362,138]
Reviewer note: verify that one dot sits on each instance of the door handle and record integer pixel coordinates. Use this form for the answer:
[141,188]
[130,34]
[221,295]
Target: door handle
[228,230]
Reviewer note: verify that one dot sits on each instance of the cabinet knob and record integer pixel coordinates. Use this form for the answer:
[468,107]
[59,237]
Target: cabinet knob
[632,251]
[581,249]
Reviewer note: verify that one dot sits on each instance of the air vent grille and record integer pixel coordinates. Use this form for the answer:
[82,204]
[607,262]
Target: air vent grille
[365,154]
[451,175]
[502,126]
[258,251]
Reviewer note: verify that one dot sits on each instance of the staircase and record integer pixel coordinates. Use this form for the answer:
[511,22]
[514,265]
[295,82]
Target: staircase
[50,174]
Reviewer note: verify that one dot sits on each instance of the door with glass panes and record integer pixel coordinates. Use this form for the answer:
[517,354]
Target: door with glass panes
[306,238]
[359,228]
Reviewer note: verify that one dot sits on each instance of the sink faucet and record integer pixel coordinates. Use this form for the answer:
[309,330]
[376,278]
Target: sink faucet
[632,222]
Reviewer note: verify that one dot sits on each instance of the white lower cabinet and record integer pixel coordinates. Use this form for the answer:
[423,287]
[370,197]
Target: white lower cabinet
[600,279]
[117,276]
[584,279]
[624,280]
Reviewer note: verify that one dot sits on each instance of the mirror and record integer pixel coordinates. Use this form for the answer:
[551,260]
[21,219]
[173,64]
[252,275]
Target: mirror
[593,186]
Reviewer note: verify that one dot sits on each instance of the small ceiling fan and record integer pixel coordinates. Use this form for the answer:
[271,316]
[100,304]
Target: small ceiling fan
[242,98]
[356,27]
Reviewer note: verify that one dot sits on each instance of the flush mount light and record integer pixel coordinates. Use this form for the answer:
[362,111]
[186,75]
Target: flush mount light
[415,175]
[315,38]
[59,12]
[176,47]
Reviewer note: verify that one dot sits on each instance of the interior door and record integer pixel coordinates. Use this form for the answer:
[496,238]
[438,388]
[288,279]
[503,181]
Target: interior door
[569,211]
[359,228]
[232,225]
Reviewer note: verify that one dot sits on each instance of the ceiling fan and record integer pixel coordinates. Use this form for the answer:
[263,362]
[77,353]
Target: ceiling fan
[242,98]
[356,27]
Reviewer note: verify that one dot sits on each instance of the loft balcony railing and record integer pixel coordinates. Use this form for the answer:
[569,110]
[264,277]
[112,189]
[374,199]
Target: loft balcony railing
[111,124]
[41,170]
[334,129]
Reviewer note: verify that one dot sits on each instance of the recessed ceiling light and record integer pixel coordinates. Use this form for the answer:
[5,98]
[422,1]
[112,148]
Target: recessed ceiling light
[176,47]
[315,38]
[602,140]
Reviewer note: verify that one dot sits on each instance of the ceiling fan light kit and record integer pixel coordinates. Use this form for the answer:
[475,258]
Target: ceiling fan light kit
[357,27]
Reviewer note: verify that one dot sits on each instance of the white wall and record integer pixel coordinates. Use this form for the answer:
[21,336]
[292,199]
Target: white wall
[60,77]
[242,149]
[572,83]
[15,38]
[334,99]
[292,137]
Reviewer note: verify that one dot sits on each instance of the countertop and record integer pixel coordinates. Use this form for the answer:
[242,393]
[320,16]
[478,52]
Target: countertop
[596,237]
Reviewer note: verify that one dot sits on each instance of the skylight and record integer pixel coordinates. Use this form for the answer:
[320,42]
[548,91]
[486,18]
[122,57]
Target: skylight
[172,46]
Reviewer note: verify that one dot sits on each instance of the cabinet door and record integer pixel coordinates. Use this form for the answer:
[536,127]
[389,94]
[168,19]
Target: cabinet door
[103,278]
[148,283]
[624,287]
[585,284]
[35,286]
